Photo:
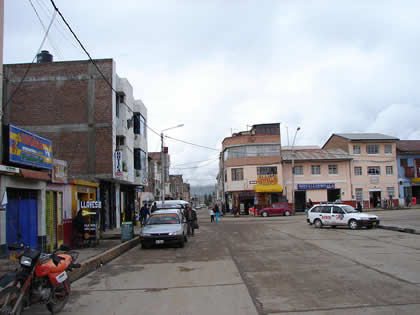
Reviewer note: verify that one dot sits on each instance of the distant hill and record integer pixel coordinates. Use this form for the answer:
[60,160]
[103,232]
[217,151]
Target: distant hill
[202,190]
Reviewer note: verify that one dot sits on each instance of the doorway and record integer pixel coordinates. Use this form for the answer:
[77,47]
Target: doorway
[416,193]
[333,195]
[375,199]
[300,200]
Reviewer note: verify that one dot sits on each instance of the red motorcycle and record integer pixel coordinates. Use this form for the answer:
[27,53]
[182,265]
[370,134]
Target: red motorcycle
[41,278]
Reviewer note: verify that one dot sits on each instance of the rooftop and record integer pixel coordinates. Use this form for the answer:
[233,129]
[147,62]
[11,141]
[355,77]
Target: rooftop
[365,136]
[316,154]
[408,146]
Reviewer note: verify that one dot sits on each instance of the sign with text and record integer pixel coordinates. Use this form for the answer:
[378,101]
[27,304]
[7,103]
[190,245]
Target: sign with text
[29,149]
[90,204]
[267,179]
[118,163]
[59,171]
[315,186]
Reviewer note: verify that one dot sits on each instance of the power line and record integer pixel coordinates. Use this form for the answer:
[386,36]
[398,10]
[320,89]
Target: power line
[193,167]
[197,145]
[33,60]
[194,162]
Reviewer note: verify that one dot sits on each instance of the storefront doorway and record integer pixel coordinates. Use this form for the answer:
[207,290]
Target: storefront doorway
[22,217]
[54,210]
[375,199]
[333,195]
[416,193]
[300,200]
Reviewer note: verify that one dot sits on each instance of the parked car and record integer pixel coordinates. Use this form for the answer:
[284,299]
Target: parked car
[164,227]
[334,214]
[278,208]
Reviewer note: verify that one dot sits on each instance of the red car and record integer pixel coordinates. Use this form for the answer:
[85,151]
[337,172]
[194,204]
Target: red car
[279,208]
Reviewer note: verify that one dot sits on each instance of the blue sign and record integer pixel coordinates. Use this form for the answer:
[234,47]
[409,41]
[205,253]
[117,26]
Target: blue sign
[29,149]
[315,186]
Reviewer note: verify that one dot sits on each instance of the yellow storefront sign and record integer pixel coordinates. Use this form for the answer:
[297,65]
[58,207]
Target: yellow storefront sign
[268,188]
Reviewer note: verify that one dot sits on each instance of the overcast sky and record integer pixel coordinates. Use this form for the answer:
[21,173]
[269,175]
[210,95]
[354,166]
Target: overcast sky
[220,65]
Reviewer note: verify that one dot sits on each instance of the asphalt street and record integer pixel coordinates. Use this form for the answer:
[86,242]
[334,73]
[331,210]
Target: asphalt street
[253,265]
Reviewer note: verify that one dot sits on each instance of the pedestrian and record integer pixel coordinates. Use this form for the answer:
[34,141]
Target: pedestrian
[78,227]
[154,207]
[407,201]
[211,213]
[223,209]
[191,218]
[359,206]
[378,202]
[216,212]
[310,203]
[144,213]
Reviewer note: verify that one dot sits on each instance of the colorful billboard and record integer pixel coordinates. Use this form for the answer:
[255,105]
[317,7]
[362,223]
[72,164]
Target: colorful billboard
[29,149]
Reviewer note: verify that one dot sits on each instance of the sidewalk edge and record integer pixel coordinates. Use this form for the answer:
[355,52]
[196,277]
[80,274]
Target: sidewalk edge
[399,229]
[93,263]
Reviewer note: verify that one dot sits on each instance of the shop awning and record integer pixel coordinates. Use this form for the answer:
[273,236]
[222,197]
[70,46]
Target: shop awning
[268,188]
[30,174]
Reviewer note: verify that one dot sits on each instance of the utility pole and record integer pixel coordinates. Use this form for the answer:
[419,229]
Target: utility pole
[162,167]
[293,169]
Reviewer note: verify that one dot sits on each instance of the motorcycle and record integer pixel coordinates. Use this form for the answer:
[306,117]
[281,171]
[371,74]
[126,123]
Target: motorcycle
[40,279]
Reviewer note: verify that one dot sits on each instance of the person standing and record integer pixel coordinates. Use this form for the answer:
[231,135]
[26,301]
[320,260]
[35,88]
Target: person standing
[359,207]
[154,207]
[407,201]
[144,213]
[216,212]
[211,213]
[191,218]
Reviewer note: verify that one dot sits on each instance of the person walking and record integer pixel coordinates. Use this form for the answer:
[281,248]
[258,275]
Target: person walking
[359,206]
[216,212]
[154,207]
[144,213]
[191,218]
[211,213]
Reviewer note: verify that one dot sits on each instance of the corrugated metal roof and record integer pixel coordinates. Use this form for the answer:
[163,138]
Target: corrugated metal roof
[408,145]
[365,136]
[317,154]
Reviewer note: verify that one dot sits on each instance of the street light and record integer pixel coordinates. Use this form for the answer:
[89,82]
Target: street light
[293,169]
[162,161]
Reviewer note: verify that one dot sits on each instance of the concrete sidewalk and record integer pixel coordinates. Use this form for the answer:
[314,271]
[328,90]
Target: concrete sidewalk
[90,258]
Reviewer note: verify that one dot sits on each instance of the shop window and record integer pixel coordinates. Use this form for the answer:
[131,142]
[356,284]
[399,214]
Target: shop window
[388,148]
[298,170]
[332,169]
[356,149]
[316,169]
[374,170]
[237,174]
[372,149]
[357,171]
[389,170]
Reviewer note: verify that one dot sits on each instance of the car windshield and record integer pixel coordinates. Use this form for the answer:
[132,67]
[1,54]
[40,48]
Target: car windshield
[349,209]
[163,219]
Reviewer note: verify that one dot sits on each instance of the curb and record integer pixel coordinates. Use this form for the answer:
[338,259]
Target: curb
[399,229]
[95,262]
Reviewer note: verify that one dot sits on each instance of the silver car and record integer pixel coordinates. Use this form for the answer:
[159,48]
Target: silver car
[164,227]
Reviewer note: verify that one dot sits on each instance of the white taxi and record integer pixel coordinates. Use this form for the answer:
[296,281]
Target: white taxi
[333,214]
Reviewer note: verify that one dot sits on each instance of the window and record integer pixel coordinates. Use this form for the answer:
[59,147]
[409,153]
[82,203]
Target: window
[316,210]
[374,170]
[326,209]
[119,99]
[391,191]
[356,149]
[389,170]
[338,210]
[403,163]
[139,159]
[359,194]
[120,142]
[252,151]
[388,148]
[237,174]
[298,170]
[139,124]
[332,169]
[372,149]
[267,170]
[225,176]
[357,171]
[316,169]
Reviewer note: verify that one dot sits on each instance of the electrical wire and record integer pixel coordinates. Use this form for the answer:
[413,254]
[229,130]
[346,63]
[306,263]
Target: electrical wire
[194,167]
[197,145]
[194,162]
[33,60]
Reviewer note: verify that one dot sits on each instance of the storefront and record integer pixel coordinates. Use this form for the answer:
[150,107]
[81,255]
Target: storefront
[267,189]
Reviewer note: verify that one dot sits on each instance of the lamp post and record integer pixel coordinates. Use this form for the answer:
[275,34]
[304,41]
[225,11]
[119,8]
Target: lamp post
[293,169]
[162,162]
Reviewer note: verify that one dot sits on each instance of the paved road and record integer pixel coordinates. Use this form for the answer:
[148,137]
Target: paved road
[276,265]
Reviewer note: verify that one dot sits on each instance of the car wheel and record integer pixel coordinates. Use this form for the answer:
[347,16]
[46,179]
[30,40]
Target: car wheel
[287,213]
[318,223]
[264,214]
[353,224]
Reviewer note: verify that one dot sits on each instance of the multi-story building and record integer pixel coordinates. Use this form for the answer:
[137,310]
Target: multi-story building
[373,167]
[155,171]
[187,192]
[408,154]
[256,171]
[176,183]
[93,121]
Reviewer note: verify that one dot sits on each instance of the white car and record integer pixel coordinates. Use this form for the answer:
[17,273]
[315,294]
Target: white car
[333,214]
